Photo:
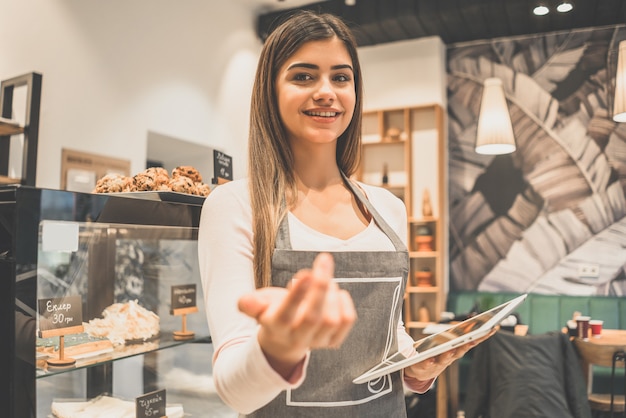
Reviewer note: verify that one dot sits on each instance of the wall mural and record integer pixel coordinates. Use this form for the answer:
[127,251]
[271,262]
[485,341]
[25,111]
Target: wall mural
[551,217]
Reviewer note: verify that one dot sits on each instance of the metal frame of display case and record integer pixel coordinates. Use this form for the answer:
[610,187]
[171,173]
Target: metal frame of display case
[22,208]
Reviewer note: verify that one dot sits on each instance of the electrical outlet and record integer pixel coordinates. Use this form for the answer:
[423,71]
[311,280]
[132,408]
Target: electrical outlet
[589,270]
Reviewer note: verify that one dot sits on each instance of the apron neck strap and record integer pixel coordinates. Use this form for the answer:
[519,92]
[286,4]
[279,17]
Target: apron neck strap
[380,221]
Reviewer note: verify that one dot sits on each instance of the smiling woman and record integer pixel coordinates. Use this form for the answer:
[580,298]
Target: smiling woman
[306,271]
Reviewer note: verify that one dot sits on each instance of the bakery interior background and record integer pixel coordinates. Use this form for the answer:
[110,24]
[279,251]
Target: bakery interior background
[522,222]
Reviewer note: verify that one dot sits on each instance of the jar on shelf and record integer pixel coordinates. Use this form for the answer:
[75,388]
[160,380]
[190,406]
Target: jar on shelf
[393,135]
[423,238]
[424,277]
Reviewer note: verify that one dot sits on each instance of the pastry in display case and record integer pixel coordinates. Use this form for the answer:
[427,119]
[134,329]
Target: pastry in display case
[97,285]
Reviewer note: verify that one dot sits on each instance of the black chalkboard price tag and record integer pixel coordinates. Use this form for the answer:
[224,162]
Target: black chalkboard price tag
[151,405]
[183,297]
[222,167]
[59,317]
[183,303]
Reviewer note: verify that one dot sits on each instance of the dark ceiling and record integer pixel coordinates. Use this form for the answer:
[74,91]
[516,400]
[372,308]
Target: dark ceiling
[457,21]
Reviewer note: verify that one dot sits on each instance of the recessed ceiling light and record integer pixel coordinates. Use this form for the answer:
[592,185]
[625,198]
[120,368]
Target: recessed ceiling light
[564,7]
[541,10]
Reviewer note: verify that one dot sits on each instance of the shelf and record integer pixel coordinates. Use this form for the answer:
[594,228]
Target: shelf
[379,143]
[121,352]
[393,186]
[423,254]
[427,220]
[422,289]
[417,324]
[10,127]
[9,180]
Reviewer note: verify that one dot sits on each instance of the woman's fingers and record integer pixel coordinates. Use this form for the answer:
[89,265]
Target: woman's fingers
[432,367]
[304,305]
[348,315]
[312,312]
[256,303]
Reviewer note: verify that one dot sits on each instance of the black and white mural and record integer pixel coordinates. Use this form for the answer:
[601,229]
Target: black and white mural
[551,217]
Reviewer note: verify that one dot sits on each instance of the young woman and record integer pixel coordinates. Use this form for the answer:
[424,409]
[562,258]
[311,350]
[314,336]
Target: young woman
[303,269]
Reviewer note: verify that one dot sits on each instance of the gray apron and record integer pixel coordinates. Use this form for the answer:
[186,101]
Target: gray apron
[376,282]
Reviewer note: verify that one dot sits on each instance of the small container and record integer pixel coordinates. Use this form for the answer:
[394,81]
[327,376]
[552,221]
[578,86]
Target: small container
[423,238]
[582,327]
[424,278]
[423,313]
[596,327]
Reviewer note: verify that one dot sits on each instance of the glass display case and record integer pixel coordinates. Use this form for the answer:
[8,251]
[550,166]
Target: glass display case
[103,303]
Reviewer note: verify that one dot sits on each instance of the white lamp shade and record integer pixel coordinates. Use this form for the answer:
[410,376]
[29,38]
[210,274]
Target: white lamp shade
[619,105]
[495,132]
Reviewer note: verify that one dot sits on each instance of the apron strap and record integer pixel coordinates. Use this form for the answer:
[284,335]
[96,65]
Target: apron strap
[283,240]
[380,221]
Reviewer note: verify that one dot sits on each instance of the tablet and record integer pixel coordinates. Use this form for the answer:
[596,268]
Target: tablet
[456,335]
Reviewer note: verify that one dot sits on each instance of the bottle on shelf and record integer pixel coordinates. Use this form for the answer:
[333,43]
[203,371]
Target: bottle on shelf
[423,314]
[385,175]
[427,207]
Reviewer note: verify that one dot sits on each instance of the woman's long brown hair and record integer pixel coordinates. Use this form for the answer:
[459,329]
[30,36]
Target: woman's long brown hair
[270,159]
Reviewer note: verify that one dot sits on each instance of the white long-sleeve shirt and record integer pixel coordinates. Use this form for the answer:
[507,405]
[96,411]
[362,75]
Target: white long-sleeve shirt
[243,378]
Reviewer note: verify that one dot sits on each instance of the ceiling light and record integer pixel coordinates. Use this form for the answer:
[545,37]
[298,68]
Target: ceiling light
[350,2]
[564,7]
[541,10]
[495,133]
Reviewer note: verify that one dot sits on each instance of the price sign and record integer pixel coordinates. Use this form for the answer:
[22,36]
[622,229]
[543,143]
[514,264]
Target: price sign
[222,167]
[60,316]
[150,405]
[183,297]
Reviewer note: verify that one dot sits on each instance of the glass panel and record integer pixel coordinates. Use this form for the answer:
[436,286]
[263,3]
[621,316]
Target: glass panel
[123,275]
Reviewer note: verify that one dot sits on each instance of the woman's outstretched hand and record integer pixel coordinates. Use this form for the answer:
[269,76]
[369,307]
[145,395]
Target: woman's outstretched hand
[313,312]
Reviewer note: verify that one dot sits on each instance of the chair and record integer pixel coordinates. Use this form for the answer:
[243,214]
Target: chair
[514,376]
[606,351]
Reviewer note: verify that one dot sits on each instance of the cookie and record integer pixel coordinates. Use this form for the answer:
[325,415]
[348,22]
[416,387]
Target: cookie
[187,171]
[182,184]
[203,189]
[152,178]
[114,183]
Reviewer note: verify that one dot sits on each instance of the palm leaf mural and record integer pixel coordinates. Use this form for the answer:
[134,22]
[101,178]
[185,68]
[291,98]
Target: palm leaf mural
[564,185]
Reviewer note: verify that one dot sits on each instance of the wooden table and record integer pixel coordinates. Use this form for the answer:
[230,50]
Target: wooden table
[610,337]
[599,351]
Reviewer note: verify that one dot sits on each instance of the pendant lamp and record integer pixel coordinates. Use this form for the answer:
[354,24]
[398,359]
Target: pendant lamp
[495,132]
[619,104]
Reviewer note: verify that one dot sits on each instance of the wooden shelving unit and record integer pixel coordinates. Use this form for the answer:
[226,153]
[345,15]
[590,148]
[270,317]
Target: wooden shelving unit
[410,143]
[30,129]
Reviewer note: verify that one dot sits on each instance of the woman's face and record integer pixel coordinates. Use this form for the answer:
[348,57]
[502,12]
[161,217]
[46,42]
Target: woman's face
[316,93]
